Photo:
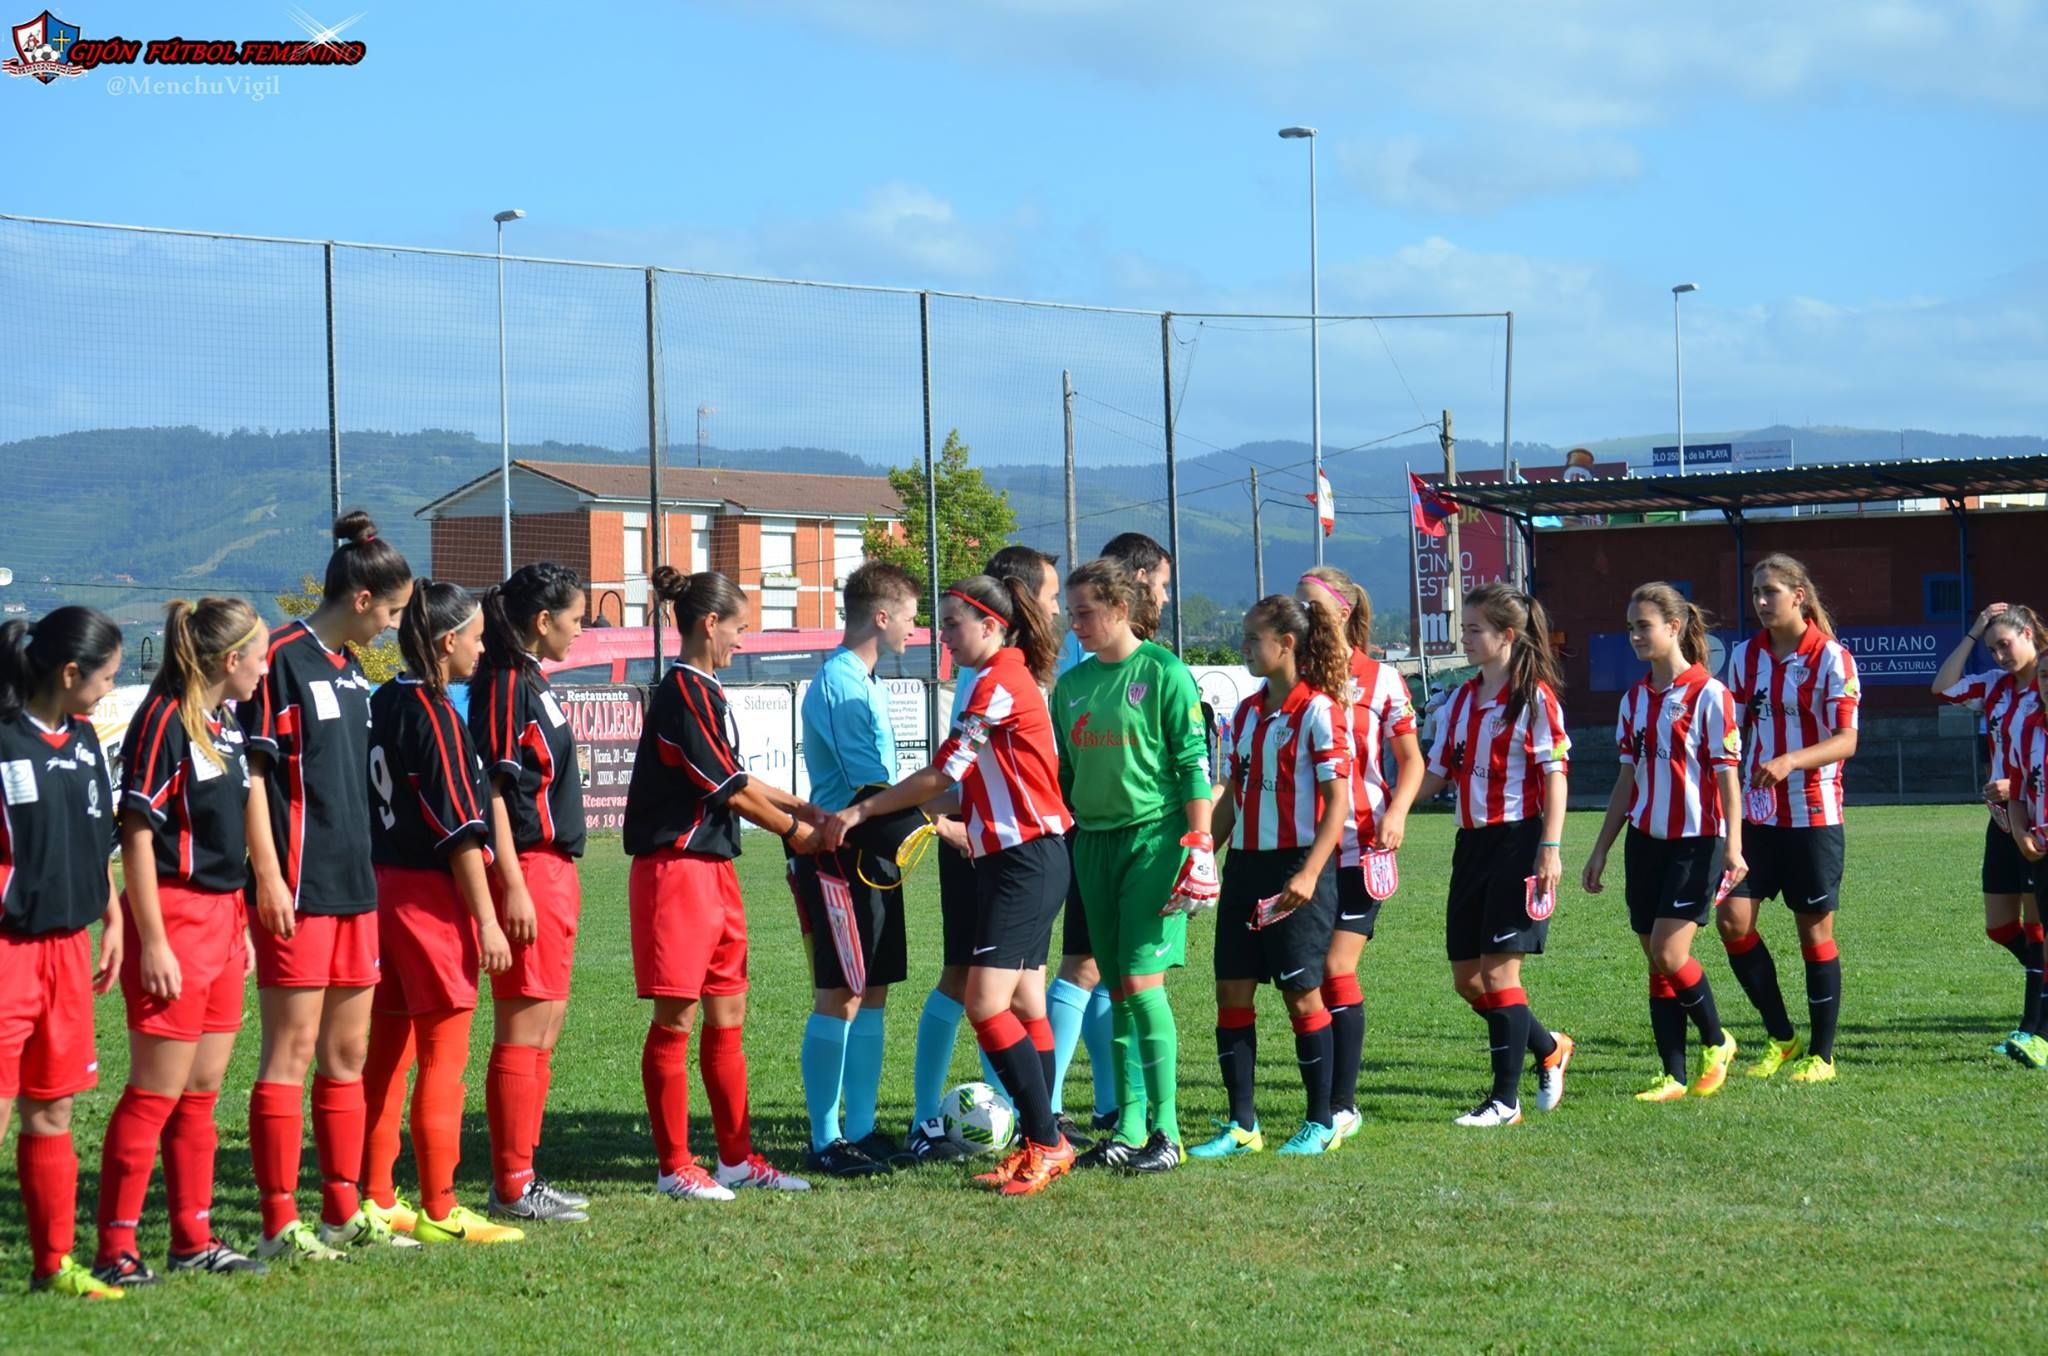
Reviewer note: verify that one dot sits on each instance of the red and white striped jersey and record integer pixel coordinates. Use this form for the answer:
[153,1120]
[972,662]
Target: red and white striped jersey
[1002,754]
[2004,702]
[1676,739]
[1498,769]
[1380,713]
[1277,765]
[2026,767]
[1789,705]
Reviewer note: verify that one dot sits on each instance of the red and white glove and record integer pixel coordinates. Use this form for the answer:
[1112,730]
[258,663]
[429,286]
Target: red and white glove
[1197,886]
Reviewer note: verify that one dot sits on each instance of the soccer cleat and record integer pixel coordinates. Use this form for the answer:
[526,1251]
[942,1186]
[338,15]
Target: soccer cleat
[759,1174]
[1073,1133]
[575,1200]
[296,1243]
[1813,1069]
[364,1230]
[1043,1166]
[1776,1054]
[1105,1122]
[842,1158]
[125,1272]
[1110,1152]
[217,1258]
[1015,1162]
[1665,1089]
[535,1205]
[691,1183]
[1160,1154]
[2029,1049]
[1550,1072]
[1348,1123]
[877,1146]
[399,1216]
[1232,1141]
[1489,1114]
[1715,1061]
[464,1225]
[927,1142]
[75,1282]
[1313,1138]
[2008,1046]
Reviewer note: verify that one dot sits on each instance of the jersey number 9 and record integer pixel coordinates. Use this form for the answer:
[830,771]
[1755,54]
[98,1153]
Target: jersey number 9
[380,778]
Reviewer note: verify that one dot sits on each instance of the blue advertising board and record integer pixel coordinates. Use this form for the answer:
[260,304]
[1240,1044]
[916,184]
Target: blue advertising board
[1886,656]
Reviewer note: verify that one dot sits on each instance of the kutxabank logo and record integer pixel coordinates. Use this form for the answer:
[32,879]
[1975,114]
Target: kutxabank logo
[40,46]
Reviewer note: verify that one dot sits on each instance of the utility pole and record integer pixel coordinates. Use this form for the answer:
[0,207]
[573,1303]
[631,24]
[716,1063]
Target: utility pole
[1258,543]
[1454,574]
[704,413]
[1073,525]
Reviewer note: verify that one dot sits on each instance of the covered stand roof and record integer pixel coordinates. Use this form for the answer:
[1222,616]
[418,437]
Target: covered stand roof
[1737,491]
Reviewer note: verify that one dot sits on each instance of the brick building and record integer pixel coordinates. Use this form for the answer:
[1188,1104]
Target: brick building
[788,540]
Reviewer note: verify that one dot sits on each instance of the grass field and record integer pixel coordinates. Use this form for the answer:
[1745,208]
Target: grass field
[1901,1206]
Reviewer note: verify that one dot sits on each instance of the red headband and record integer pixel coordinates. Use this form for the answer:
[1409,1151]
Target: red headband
[1343,603]
[978,605]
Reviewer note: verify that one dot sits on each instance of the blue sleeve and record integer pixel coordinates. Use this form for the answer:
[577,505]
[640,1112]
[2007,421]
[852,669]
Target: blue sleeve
[1071,653]
[963,688]
[850,715]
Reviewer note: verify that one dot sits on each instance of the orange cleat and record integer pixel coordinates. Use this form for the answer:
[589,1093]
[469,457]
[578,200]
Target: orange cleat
[1041,1168]
[1007,1169]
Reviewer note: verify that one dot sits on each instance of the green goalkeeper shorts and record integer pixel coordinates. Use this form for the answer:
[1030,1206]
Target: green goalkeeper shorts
[1126,876]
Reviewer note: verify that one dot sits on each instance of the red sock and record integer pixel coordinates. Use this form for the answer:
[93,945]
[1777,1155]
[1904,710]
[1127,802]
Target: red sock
[340,1114]
[665,1077]
[391,1057]
[543,1073]
[126,1158]
[48,1168]
[1039,1029]
[443,1040]
[510,1091]
[723,1061]
[190,1141]
[277,1123]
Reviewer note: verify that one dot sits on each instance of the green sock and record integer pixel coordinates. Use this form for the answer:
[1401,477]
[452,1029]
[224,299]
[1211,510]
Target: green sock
[1159,1044]
[1130,1121]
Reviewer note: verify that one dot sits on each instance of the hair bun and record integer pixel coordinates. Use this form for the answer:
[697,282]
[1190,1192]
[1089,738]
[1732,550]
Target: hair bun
[355,528]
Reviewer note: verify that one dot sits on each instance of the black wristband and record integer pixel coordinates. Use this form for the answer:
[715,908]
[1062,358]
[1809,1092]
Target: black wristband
[793,823]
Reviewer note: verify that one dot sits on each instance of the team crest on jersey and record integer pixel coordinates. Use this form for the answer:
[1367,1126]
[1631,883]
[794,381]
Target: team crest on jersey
[1382,873]
[92,798]
[1134,693]
[1853,689]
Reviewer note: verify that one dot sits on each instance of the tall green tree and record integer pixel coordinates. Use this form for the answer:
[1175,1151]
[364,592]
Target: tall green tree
[974,521]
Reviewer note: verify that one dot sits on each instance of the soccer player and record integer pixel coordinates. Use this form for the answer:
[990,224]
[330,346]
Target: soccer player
[185,858]
[1133,765]
[1679,794]
[1288,769]
[1002,758]
[1382,727]
[56,834]
[2005,696]
[313,896]
[1799,693]
[430,839]
[850,750]
[524,738]
[1501,743]
[689,925]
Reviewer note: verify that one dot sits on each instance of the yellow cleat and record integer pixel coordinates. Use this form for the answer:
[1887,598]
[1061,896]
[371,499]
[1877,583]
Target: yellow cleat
[464,1225]
[1814,1069]
[75,1282]
[399,1218]
[1665,1089]
[1776,1054]
[1714,1064]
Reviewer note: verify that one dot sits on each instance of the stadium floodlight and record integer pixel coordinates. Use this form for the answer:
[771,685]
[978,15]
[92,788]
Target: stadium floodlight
[1678,361]
[1315,333]
[504,406]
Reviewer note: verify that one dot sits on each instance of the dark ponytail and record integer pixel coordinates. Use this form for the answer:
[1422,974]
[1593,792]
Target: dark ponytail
[1530,662]
[511,607]
[693,597]
[1014,603]
[435,608]
[1322,659]
[1675,606]
[33,654]
[362,560]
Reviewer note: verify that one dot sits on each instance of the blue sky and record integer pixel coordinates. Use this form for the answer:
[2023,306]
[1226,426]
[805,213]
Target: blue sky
[1855,186]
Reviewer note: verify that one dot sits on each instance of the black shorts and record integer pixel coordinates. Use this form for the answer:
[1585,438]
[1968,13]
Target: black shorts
[1671,878]
[2006,870]
[1802,865]
[1488,913]
[1018,891]
[877,917]
[1289,951]
[1357,911]
[958,910]
[1074,940]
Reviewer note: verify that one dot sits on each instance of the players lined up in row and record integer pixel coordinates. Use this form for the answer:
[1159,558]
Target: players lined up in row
[316,827]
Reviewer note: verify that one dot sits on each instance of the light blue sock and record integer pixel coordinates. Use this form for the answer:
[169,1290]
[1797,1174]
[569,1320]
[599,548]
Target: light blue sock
[938,1030]
[824,1068]
[1097,1035]
[1066,1006]
[863,1072]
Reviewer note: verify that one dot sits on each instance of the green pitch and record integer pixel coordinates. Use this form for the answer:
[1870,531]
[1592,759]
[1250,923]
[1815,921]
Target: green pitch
[1900,1207]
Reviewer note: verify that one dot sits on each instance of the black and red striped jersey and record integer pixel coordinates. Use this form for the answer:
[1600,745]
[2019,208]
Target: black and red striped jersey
[686,770]
[523,734]
[428,789]
[56,826]
[311,716]
[196,808]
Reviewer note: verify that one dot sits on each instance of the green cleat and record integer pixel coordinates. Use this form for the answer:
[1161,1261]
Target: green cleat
[1776,1055]
[2029,1049]
[74,1282]
[297,1243]
[1232,1140]
[1813,1069]
[1665,1089]
[1313,1138]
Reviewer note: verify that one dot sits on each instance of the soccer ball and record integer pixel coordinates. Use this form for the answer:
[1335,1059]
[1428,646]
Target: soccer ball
[978,1118]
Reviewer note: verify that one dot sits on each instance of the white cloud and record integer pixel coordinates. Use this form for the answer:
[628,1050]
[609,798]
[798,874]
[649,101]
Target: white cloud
[1473,175]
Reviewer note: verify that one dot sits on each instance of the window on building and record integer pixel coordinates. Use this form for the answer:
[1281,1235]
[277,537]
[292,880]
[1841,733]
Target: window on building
[778,546]
[1941,597]
[778,609]
[633,545]
[700,549]
[848,549]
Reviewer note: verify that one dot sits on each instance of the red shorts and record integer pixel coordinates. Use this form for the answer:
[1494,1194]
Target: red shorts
[431,954]
[689,926]
[325,951]
[540,968]
[46,1039]
[205,933]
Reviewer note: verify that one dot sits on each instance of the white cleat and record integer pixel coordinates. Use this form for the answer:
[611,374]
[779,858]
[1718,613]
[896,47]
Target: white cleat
[1490,1113]
[759,1173]
[691,1184]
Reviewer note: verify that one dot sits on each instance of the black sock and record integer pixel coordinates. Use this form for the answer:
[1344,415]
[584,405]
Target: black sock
[1696,996]
[1507,1031]
[1667,1024]
[1237,1050]
[1313,1051]
[1045,1063]
[1541,1043]
[1759,979]
[1017,1064]
[2028,953]
[1823,997]
[1347,1036]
